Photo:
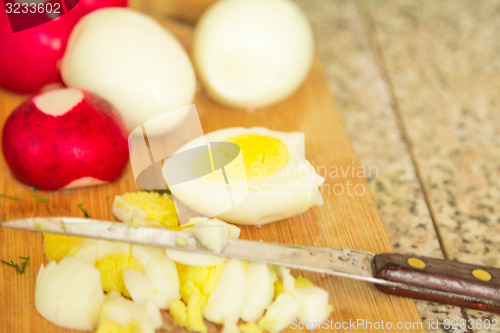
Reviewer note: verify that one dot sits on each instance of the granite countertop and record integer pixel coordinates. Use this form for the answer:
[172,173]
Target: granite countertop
[417,84]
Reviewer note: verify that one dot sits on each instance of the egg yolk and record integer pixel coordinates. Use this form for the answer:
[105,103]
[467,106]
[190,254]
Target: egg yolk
[159,207]
[111,268]
[263,155]
[300,282]
[57,247]
[249,328]
[111,326]
[196,284]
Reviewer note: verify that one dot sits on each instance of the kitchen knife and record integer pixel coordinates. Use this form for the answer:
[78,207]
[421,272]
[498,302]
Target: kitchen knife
[438,280]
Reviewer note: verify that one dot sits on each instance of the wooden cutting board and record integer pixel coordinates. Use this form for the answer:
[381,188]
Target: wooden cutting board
[348,218]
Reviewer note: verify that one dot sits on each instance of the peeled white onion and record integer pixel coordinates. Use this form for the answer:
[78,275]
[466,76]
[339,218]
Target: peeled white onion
[69,294]
[252,53]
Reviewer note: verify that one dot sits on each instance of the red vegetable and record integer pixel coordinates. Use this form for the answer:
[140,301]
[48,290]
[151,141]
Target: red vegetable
[29,58]
[65,138]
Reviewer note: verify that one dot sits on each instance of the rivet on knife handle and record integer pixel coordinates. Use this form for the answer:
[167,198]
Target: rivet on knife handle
[460,284]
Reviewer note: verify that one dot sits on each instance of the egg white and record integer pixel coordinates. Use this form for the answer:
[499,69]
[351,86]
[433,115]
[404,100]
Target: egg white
[288,192]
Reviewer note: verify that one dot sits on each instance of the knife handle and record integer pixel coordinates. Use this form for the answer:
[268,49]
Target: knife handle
[438,280]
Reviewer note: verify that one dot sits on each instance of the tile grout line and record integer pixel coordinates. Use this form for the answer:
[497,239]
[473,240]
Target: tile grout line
[379,61]
[369,28]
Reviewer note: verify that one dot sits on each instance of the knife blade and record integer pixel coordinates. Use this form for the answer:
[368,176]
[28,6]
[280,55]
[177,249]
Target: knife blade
[419,277]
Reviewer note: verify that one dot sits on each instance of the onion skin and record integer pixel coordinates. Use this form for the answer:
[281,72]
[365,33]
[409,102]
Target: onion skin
[48,152]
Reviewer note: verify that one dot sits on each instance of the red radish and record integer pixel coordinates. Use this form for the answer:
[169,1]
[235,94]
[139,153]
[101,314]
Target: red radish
[65,138]
[29,58]
[86,6]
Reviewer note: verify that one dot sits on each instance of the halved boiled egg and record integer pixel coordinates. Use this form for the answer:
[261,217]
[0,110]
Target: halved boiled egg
[280,181]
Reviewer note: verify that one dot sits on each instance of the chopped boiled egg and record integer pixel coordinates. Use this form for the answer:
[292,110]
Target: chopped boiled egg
[287,282]
[280,313]
[212,234]
[313,304]
[196,285]
[158,209]
[313,301]
[233,231]
[111,268]
[193,287]
[138,285]
[200,280]
[91,250]
[286,278]
[259,291]
[57,247]
[179,312]
[143,318]
[69,294]
[226,300]
[250,327]
[193,259]
[111,326]
[160,272]
[230,327]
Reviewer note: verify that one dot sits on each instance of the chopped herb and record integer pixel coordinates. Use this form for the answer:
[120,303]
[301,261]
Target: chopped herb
[18,269]
[39,226]
[63,226]
[10,197]
[38,199]
[159,191]
[87,216]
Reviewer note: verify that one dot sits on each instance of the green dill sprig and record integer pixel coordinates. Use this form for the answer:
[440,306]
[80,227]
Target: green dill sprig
[38,199]
[80,205]
[18,269]
[166,191]
[10,197]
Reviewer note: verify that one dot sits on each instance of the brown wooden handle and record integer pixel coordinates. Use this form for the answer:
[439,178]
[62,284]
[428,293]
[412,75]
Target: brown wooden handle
[438,280]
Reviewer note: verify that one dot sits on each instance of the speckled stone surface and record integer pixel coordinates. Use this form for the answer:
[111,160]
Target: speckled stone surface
[446,79]
[417,84]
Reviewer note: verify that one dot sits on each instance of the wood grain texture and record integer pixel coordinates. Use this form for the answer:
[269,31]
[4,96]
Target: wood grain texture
[348,218]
